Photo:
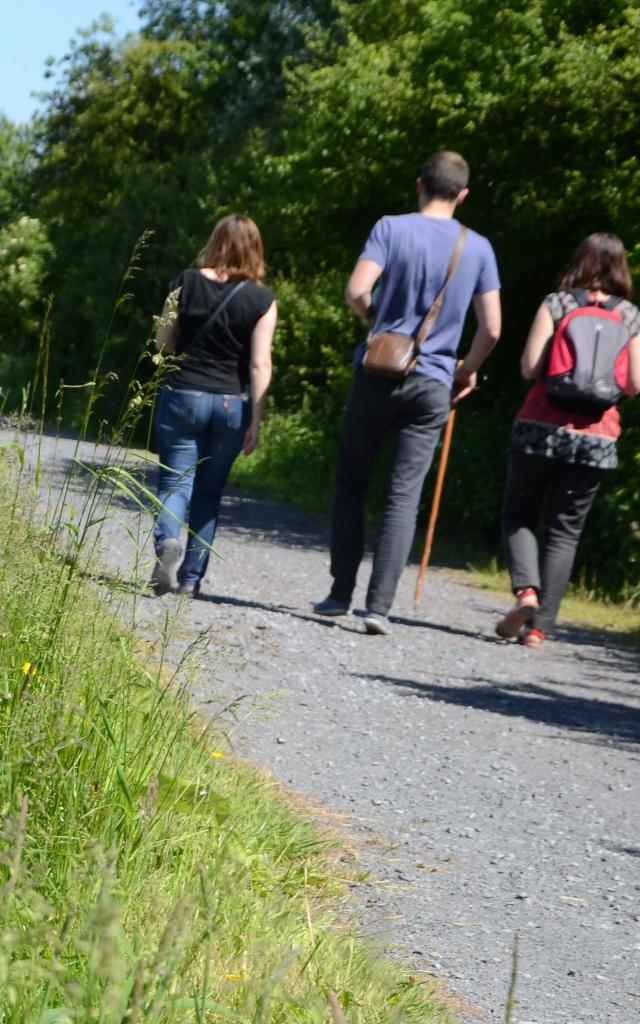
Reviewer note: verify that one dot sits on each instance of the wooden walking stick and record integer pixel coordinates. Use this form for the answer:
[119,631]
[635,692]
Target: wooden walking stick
[435,505]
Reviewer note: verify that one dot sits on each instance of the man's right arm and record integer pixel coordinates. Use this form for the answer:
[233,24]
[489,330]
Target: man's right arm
[489,317]
[360,286]
[367,270]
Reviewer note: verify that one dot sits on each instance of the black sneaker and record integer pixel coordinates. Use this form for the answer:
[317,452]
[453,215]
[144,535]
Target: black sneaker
[377,625]
[189,589]
[163,577]
[331,607]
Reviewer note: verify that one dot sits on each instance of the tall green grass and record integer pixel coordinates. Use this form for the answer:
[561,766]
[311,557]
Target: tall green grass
[145,875]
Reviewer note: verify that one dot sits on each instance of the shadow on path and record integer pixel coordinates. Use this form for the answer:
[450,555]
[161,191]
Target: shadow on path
[279,609]
[119,583]
[241,512]
[263,519]
[533,702]
[630,851]
[599,647]
[442,628]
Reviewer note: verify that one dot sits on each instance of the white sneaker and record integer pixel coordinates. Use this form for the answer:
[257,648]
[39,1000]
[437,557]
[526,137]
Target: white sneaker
[376,624]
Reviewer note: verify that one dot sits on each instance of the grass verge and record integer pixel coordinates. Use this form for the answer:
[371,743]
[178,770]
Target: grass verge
[146,877]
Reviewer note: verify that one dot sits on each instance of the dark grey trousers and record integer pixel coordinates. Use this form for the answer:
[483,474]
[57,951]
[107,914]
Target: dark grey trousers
[413,413]
[567,490]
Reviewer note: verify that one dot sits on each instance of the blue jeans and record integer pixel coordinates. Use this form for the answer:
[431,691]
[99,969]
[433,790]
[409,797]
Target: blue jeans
[198,437]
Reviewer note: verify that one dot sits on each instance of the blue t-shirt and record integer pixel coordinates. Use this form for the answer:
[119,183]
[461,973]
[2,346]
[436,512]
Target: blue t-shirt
[414,252]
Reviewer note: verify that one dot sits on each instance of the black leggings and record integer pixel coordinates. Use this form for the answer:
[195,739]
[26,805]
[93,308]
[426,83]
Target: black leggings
[569,491]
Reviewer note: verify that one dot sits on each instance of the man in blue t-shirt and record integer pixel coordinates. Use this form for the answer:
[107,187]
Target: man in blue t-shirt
[406,259]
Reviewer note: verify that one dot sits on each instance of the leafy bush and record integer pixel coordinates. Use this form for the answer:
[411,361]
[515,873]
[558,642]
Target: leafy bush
[25,255]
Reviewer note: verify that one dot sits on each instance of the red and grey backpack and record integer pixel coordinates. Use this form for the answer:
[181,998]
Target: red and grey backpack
[588,364]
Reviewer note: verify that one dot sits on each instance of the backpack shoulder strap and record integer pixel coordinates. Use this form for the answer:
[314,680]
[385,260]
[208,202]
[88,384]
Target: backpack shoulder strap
[580,295]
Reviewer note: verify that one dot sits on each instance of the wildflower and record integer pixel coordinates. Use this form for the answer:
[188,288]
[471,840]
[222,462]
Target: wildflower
[217,754]
[28,669]
[233,977]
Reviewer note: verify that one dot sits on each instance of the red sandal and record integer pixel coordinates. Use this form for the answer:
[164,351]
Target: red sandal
[521,612]
[530,637]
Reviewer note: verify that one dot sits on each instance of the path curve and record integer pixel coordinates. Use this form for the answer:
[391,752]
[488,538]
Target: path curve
[488,790]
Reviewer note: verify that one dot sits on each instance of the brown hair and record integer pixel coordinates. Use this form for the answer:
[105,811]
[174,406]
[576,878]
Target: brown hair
[599,263]
[444,175]
[235,247]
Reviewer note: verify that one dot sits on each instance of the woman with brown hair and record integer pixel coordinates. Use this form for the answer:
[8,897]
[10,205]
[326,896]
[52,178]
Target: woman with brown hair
[211,404]
[583,352]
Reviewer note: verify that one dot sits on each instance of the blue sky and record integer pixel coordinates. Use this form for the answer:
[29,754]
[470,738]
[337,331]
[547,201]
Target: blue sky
[33,30]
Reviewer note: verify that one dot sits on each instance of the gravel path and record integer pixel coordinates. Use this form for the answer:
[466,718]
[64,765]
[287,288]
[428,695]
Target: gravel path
[487,790]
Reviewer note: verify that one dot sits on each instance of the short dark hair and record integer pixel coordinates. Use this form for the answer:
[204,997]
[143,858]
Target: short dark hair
[444,175]
[599,263]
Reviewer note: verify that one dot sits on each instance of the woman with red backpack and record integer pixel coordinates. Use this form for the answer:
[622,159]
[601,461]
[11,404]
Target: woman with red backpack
[583,352]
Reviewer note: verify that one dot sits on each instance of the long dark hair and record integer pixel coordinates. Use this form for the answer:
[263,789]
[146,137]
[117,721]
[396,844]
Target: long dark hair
[599,263]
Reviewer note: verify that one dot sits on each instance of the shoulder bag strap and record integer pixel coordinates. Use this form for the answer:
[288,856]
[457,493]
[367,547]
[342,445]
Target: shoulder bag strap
[434,309]
[217,311]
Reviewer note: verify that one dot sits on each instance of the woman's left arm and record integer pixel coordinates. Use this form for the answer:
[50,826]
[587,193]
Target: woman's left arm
[536,349]
[260,373]
[633,385]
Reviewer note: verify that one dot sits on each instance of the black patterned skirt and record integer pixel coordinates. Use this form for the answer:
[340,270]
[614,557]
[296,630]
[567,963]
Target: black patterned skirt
[563,444]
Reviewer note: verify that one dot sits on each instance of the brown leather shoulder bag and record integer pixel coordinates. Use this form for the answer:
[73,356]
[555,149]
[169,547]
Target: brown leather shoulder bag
[394,355]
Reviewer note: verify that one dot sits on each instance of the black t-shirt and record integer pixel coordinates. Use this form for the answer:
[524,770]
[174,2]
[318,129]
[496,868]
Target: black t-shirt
[218,360]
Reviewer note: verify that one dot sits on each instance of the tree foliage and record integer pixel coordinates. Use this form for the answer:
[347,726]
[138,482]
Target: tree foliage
[25,253]
[15,165]
[315,118]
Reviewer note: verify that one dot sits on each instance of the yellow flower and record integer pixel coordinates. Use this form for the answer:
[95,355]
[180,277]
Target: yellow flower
[233,977]
[28,669]
[217,754]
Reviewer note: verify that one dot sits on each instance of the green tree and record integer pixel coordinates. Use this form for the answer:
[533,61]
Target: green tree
[120,156]
[16,162]
[540,99]
[25,254]
[315,118]
[151,133]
